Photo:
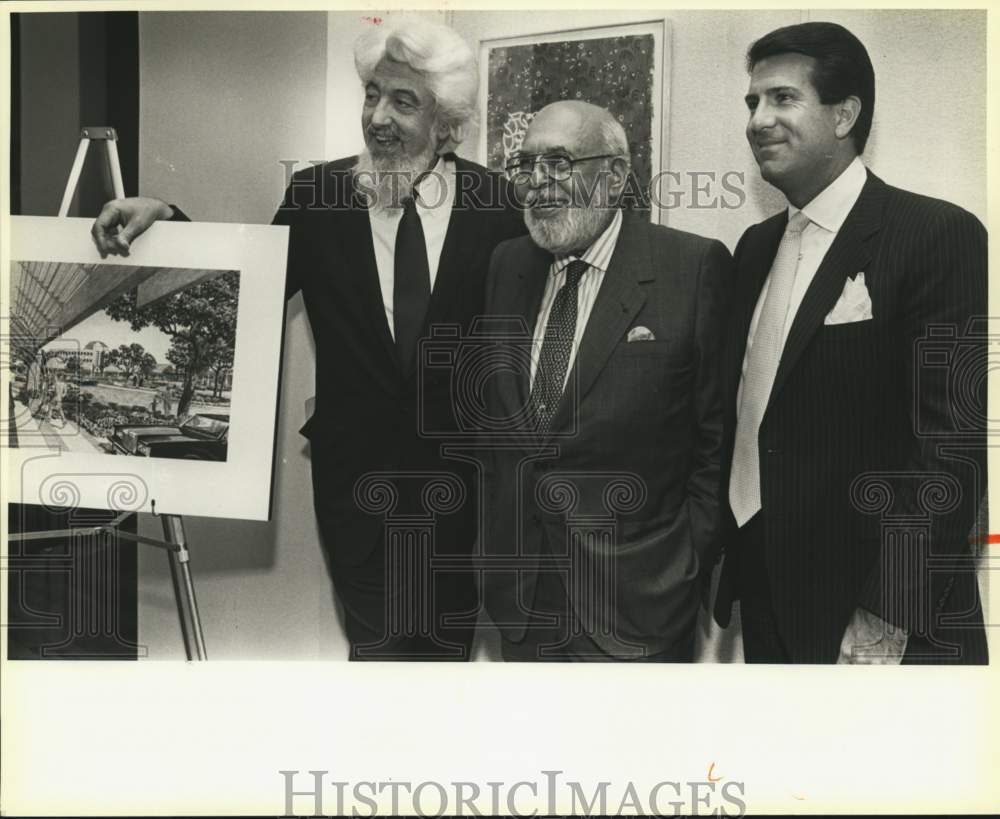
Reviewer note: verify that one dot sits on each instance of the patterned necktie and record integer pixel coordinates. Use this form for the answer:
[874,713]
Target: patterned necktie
[556,347]
[411,285]
[762,365]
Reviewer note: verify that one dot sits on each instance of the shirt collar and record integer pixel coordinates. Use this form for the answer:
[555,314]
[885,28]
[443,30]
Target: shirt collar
[434,188]
[599,253]
[829,208]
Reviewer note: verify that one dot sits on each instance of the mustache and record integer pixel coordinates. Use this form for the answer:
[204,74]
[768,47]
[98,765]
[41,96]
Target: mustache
[381,131]
[534,199]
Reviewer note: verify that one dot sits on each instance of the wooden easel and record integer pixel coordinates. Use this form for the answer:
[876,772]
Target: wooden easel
[175,542]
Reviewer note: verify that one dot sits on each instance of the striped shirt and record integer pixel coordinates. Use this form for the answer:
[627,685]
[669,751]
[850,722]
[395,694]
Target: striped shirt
[598,256]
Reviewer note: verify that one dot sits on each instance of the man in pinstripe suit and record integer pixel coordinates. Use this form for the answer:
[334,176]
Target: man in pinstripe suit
[854,476]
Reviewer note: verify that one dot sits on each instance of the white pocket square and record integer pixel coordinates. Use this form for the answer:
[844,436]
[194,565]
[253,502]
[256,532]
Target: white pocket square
[853,305]
[640,334]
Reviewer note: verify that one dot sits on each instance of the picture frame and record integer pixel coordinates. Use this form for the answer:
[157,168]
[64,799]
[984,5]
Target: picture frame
[86,424]
[624,68]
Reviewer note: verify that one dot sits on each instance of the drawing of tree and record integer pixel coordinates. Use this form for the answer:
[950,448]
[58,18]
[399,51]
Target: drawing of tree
[221,364]
[133,360]
[200,320]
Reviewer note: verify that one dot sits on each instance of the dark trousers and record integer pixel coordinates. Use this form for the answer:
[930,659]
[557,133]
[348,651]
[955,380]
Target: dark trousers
[964,643]
[554,633]
[410,592]
[762,642]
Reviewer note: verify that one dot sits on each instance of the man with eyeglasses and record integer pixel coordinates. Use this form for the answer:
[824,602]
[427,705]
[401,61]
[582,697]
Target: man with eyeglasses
[603,510]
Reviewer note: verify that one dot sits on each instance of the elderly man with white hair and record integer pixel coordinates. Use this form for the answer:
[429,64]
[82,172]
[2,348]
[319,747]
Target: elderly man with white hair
[384,247]
[604,521]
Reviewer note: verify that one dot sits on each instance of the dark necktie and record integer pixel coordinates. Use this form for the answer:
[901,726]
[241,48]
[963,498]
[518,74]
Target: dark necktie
[411,285]
[556,347]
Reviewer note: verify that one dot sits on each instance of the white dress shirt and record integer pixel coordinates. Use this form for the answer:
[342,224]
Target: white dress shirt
[598,256]
[435,198]
[826,212]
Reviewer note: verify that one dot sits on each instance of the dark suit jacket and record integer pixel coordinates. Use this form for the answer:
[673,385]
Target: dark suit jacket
[366,413]
[869,397]
[628,481]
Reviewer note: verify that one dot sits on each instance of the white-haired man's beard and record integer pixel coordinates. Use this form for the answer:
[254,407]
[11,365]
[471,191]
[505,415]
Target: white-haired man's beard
[387,180]
[568,228]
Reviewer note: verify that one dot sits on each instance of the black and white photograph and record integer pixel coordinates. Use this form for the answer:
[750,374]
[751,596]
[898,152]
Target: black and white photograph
[536,411]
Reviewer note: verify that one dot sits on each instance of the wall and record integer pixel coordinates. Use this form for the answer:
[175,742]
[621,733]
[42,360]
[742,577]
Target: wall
[930,99]
[50,109]
[75,70]
[930,111]
[224,98]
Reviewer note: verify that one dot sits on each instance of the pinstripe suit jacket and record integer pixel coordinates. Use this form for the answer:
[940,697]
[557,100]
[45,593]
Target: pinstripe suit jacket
[872,446]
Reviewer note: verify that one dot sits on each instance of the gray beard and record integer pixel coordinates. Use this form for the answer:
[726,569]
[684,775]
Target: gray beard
[386,182]
[570,229]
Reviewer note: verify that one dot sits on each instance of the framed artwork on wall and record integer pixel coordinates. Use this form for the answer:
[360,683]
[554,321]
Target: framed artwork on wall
[621,68]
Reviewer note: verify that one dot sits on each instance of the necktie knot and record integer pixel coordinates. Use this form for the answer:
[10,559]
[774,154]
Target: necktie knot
[574,272]
[797,223]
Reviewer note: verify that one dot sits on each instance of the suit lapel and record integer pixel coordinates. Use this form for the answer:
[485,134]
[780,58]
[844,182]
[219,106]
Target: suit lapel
[359,250]
[532,276]
[460,236]
[850,252]
[618,301]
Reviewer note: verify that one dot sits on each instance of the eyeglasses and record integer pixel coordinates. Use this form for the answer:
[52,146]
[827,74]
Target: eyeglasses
[558,167]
